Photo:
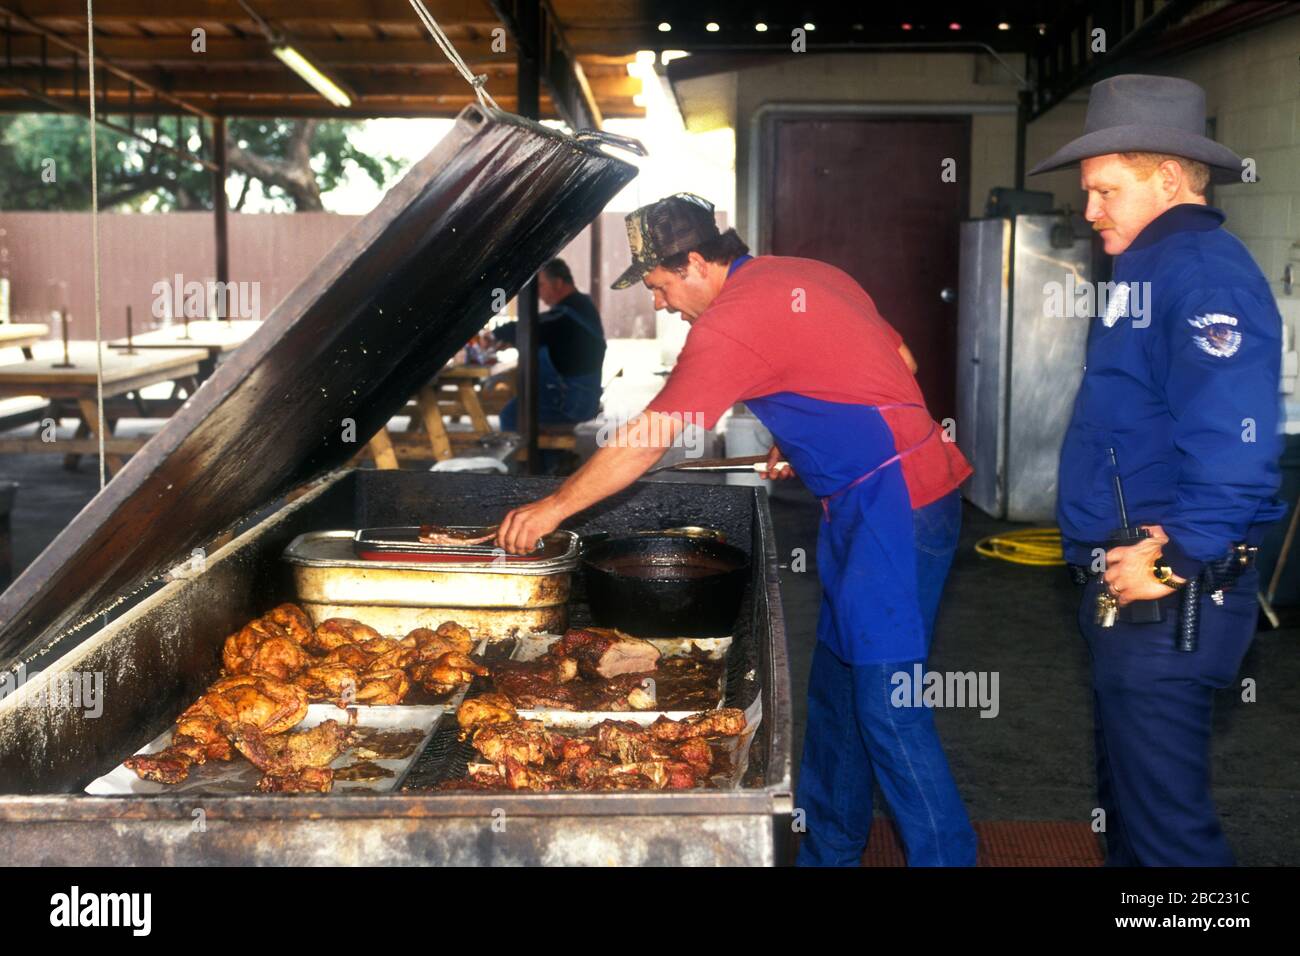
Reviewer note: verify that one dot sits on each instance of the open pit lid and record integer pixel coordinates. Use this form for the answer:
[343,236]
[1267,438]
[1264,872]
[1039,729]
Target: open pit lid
[394,299]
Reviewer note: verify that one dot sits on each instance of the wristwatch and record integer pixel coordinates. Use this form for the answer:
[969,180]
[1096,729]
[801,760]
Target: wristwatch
[1165,575]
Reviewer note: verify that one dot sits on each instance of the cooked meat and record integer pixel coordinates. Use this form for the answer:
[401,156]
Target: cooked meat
[527,741]
[270,705]
[518,776]
[306,780]
[337,682]
[338,631]
[166,766]
[546,684]
[711,723]
[605,652]
[279,657]
[446,672]
[460,637]
[697,753]
[450,537]
[350,655]
[383,687]
[289,753]
[205,731]
[293,620]
[488,709]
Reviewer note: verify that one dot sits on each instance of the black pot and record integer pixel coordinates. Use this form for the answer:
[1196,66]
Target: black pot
[665,584]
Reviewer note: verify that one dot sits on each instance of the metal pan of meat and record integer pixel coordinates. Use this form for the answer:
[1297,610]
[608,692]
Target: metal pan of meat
[686,674]
[556,751]
[456,544]
[357,748]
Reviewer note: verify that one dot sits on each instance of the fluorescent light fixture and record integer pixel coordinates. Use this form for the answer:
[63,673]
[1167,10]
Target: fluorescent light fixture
[307,70]
[712,27]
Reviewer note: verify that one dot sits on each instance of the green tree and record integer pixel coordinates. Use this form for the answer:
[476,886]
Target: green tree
[45,163]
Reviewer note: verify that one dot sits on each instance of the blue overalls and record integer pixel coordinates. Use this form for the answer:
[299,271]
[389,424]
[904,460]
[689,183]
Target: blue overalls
[1182,381]
[882,567]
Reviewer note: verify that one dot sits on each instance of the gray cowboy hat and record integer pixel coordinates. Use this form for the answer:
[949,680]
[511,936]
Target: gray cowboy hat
[1135,113]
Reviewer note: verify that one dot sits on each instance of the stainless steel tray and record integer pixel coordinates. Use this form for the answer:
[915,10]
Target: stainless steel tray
[494,598]
[529,647]
[238,776]
[737,747]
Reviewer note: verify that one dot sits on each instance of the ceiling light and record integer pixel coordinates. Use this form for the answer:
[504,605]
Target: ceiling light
[712,27]
[307,70]
[907,26]
[810,26]
[760,27]
[1004,26]
[665,27]
[954,26]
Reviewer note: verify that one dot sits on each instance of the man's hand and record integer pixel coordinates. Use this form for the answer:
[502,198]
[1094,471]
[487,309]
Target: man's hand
[1128,569]
[523,528]
[770,469]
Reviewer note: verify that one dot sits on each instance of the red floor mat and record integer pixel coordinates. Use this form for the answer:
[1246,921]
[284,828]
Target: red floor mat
[1004,843]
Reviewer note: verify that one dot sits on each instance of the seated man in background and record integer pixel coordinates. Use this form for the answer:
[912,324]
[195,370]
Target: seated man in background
[570,352]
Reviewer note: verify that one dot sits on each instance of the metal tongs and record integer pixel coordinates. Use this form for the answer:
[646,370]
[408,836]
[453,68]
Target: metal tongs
[745,463]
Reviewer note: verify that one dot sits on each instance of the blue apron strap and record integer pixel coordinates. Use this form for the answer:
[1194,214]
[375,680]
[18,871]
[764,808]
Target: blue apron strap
[897,456]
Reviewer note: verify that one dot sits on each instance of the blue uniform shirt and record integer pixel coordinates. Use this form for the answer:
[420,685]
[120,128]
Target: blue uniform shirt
[1182,381]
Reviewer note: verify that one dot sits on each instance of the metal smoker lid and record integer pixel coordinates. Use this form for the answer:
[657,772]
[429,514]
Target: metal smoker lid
[382,311]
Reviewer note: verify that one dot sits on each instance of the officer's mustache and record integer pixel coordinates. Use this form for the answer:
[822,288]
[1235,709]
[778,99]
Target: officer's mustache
[1104,224]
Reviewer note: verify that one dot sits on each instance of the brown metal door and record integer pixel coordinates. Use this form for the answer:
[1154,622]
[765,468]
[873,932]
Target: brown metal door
[868,195]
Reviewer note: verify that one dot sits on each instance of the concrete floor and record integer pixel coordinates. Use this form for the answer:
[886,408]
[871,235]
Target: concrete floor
[1034,760]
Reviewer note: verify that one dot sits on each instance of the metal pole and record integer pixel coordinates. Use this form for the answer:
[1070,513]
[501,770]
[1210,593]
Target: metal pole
[528,105]
[1022,122]
[219,207]
[597,289]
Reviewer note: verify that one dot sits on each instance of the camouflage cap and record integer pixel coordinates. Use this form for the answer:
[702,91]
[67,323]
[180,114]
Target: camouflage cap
[665,228]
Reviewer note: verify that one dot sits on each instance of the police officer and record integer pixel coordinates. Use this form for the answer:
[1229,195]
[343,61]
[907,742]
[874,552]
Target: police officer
[1180,398]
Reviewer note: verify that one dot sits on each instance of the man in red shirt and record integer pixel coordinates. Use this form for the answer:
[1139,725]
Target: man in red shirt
[802,344]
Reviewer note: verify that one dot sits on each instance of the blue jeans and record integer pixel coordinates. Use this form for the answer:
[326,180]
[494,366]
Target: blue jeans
[574,399]
[856,737]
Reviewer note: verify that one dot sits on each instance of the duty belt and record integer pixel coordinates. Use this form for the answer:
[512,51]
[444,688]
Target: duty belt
[1214,579]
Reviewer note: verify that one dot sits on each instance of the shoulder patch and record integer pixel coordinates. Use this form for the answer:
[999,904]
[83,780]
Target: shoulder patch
[1219,335]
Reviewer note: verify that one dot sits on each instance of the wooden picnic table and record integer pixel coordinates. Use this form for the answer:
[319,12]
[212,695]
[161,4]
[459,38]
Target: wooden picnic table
[432,401]
[123,374]
[22,335]
[217,336]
